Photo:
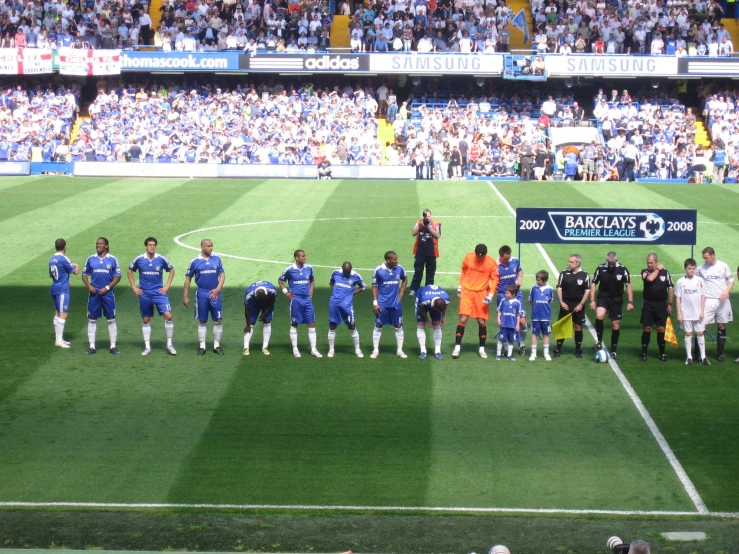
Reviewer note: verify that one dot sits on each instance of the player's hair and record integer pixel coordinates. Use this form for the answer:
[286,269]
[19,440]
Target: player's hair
[578,257]
[639,547]
[542,275]
[390,254]
[150,239]
[60,244]
[653,255]
[260,294]
[505,249]
[107,243]
[295,254]
[202,242]
[438,301]
[708,250]
[345,264]
[690,262]
[513,289]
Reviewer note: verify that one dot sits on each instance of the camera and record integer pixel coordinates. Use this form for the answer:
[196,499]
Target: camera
[426,221]
[617,546]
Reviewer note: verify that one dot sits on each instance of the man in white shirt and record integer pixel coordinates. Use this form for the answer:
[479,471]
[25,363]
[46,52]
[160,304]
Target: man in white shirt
[719,282]
[690,292]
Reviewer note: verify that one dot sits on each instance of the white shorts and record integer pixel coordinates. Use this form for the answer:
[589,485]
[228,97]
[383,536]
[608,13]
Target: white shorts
[717,311]
[693,326]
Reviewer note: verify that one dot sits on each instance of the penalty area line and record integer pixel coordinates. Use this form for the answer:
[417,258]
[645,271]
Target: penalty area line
[302,507]
[656,433]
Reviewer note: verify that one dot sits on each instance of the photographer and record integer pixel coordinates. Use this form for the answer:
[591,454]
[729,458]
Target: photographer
[324,169]
[426,250]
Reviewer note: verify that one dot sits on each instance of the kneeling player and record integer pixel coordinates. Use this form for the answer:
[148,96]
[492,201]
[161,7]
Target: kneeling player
[431,304]
[259,305]
[152,292]
[691,303]
[540,298]
[344,283]
[509,321]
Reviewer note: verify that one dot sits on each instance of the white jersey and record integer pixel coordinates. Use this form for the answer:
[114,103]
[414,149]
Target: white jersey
[690,292]
[716,276]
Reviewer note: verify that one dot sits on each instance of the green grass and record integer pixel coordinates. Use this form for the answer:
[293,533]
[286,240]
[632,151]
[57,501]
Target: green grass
[340,431]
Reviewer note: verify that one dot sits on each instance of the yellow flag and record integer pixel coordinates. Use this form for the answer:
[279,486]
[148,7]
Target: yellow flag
[670,334]
[562,329]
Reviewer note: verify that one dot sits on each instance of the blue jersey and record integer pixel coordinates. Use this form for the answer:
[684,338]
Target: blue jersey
[343,287]
[388,283]
[251,291]
[206,272]
[102,271]
[426,296]
[150,270]
[510,311]
[508,273]
[60,267]
[298,279]
[541,303]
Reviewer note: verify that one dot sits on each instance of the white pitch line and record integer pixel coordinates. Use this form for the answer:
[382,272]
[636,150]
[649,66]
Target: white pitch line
[659,437]
[179,242]
[450,509]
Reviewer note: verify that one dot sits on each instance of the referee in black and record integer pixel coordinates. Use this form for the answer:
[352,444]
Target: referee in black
[659,296]
[573,288]
[611,278]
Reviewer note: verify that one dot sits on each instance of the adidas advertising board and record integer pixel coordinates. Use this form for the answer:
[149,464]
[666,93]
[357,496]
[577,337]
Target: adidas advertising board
[315,63]
[600,226]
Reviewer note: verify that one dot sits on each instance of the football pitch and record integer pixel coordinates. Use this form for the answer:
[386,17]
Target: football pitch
[567,436]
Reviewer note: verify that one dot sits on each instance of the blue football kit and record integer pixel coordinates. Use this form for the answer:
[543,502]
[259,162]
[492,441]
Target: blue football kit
[388,282]
[541,298]
[206,272]
[298,280]
[151,272]
[508,274]
[341,303]
[510,311]
[101,272]
[425,297]
[256,309]
[60,268]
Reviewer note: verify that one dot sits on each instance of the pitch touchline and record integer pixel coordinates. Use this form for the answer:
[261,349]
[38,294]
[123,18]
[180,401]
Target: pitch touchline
[179,242]
[659,437]
[452,509]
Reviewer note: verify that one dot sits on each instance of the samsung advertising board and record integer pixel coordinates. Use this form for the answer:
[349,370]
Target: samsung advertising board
[601,226]
[445,64]
[314,63]
[611,65]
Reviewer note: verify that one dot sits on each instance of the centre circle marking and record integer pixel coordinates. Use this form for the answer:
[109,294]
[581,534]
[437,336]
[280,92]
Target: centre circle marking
[179,242]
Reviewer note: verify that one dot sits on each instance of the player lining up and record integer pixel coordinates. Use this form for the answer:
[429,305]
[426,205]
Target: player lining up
[60,267]
[388,286]
[510,272]
[101,274]
[431,305]
[299,278]
[210,276]
[259,305]
[344,283]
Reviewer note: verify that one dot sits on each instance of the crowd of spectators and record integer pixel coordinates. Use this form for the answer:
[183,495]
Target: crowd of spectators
[680,28]
[35,122]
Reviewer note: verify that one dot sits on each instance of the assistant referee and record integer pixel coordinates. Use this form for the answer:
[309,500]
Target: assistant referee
[573,288]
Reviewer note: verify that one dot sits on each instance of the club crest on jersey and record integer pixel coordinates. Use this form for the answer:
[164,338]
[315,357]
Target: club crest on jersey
[107,266]
[156,267]
[579,281]
[618,277]
[662,277]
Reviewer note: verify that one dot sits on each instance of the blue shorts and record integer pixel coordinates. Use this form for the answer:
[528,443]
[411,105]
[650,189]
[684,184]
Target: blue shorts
[519,297]
[152,298]
[301,310]
[508,334]
[341,313]
[255,310]
[435,316]
[61,302]
[205,306]
[101,305]
[540,327]
[390,316]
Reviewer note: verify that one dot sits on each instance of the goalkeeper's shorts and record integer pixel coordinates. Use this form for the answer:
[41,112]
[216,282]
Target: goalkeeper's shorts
[471,304]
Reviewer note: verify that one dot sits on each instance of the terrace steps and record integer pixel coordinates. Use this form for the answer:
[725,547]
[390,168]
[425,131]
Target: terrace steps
[340,31]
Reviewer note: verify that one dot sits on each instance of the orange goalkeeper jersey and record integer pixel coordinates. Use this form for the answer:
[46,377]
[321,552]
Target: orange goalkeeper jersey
[479,276]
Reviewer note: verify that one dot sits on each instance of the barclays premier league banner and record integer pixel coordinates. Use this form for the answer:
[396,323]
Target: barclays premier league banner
[582,225]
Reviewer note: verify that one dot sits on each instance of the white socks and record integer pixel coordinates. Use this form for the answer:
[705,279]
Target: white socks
[311,338]
[701,345]
[266,334]
[92,326]
[294,337]
[421,334]
[59,328]
[169,331]
[146,331]
[376,334]
[201,335]
[399,337]
[331,338]
[499,349]
[113,332]
[217,334]
[437,340]
[247,338]
[355,339]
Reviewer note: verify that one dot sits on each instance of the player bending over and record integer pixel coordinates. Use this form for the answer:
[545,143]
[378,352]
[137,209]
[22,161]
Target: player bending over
[259,305]
[431,304]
